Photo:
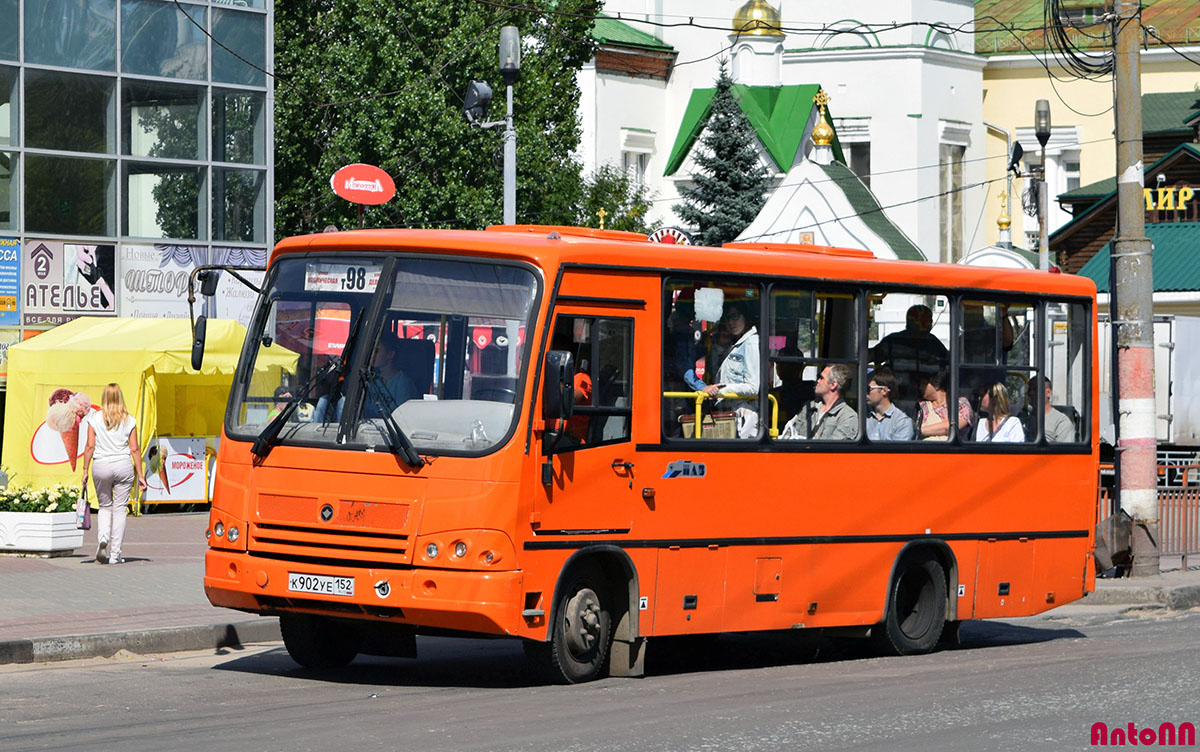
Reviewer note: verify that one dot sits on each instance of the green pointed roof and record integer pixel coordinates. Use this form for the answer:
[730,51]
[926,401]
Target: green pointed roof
[779,115]
[1174,268]
[607,30]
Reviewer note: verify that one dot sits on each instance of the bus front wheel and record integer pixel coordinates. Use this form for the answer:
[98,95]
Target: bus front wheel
[916,610]
[317,643]
[581,634]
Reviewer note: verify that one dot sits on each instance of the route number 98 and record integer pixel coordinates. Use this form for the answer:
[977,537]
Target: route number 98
[355,279]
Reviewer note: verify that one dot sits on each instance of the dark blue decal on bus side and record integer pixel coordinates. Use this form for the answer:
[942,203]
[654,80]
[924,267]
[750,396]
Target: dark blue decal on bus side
[685,469]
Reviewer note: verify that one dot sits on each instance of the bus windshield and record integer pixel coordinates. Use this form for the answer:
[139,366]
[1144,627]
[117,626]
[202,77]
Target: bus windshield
[439,356]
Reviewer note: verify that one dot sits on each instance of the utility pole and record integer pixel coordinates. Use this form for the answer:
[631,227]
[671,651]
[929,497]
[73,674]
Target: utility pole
[1133,295]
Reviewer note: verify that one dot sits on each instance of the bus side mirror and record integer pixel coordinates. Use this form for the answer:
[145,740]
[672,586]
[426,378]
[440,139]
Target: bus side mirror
[198,342]
[558,395]
[208,282]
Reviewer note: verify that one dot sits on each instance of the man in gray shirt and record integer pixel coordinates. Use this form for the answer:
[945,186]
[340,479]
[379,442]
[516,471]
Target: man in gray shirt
[1059,428]
[828,417]
[885,421]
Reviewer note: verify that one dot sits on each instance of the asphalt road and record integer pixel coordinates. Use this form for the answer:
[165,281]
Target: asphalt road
[1028,684]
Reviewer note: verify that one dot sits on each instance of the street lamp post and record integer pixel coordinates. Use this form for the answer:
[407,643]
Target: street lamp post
[510,68]
[475,108]
[1041,122]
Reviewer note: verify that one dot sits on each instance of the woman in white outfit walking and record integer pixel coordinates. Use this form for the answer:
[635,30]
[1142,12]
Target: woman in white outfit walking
[112,440]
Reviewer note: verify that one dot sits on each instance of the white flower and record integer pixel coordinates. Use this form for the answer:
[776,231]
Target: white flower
[52,507]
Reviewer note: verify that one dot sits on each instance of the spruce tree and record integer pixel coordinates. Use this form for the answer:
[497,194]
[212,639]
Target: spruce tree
[730,182]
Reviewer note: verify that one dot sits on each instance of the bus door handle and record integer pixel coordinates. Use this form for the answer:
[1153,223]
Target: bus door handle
[622,467]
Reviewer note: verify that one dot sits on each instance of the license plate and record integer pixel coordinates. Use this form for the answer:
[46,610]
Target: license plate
[320,584]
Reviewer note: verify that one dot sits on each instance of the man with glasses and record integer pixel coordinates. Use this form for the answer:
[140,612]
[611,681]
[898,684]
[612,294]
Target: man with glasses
[885,422]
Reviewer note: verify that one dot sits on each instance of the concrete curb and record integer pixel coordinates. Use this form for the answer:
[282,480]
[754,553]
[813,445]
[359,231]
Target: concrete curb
[145,641]
[1178,597]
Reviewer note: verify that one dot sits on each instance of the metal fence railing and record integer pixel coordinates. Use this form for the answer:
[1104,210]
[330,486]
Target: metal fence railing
[1178,507]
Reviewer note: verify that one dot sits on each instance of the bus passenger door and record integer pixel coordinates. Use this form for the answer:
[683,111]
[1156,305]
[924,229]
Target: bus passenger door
[591,473]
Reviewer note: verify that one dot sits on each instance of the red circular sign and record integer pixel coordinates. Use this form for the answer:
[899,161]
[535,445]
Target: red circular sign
[363,184]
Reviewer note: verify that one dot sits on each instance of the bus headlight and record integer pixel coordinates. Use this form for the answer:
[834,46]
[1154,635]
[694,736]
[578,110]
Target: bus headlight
[460,549]
[431,550]
[219,528]
[233,534]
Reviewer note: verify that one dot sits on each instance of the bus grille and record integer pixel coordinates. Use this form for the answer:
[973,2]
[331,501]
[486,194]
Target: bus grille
[324,545]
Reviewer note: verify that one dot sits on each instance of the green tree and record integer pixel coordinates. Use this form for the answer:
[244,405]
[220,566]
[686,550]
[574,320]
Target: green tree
[731,183]
[382,82]
[624,200]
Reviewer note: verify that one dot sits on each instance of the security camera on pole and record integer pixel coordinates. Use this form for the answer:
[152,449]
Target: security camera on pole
[475,107]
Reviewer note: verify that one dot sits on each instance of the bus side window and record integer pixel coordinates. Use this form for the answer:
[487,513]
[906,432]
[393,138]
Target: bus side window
[998,374]
[908,334]
[1067,378]
[602,352]
[810,332]
[712,370]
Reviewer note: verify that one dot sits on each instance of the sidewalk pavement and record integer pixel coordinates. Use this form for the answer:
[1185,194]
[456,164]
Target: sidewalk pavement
[70,607]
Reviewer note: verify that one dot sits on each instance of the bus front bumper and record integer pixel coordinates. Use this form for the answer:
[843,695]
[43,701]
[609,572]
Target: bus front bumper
[472,601]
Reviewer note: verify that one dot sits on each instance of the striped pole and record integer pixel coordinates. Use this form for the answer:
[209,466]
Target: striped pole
[1134,298]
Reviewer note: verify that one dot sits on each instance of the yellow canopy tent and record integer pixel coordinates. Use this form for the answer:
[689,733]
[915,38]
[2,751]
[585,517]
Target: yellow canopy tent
[151,361]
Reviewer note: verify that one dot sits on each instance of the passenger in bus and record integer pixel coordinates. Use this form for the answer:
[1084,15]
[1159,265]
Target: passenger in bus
[997,423]
[283,395]
[739,370]
[914,352]
[793,391]
[828,417]
[1060,429]
[577,425]
[885,421]
[933,416]
[390,385]
[682,350]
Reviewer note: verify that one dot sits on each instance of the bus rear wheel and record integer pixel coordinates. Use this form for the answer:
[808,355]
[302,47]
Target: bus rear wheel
[581,635]
[318,643]
[916,610]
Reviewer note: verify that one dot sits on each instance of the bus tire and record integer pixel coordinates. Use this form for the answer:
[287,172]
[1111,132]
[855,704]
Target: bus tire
[317,643]
[916,610]
[581,636]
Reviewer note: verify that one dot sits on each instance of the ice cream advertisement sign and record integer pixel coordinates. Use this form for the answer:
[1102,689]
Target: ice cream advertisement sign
[175,470]
[59,438]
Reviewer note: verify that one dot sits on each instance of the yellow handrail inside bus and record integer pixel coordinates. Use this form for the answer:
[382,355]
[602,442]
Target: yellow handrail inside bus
[699,397]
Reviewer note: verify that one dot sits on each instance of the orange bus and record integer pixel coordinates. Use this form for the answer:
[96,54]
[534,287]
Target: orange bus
[585,440]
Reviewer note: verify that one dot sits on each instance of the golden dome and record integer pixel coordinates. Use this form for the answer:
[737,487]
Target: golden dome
[822,133]
[757,17]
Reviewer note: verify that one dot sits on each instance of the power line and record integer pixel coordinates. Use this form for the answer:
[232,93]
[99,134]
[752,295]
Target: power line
[876,210]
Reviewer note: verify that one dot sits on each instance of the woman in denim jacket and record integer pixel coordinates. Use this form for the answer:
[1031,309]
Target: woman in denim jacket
[739,371]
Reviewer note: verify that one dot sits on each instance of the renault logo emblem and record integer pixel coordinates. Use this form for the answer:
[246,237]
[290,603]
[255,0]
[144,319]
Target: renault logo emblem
[326,513]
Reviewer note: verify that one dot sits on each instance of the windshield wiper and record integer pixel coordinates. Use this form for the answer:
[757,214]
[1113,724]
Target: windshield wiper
[398,441]
[270,435]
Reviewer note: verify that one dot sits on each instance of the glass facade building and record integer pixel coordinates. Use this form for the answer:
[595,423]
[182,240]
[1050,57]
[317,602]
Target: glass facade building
[135,136]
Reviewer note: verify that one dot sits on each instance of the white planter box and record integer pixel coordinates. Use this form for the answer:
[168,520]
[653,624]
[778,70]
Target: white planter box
[39,533]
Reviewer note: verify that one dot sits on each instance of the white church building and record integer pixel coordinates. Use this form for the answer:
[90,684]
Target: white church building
[899,176]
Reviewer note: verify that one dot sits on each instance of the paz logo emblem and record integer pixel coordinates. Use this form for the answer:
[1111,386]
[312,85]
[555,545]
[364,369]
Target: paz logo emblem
[326,513]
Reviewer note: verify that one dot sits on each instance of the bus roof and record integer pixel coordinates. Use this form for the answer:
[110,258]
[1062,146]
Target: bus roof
[548,247]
